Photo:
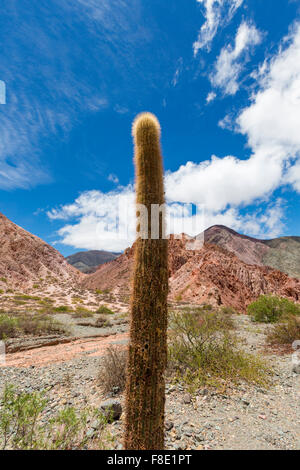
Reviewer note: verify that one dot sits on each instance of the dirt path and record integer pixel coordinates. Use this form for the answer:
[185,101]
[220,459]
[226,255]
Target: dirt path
[64,352]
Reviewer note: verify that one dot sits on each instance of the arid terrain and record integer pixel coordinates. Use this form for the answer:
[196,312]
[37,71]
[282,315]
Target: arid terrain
[92,312]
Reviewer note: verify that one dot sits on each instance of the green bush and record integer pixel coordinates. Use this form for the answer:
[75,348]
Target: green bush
[286,332]
[9,327]
[270,309]
[61,308]
[105,310]
[21,428]
[204,351]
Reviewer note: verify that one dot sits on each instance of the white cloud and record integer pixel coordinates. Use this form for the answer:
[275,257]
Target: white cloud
[210,97]
[220,182]
[217,13]
[272,119]
[103,220]
[231,60]
[107,221]
[113,178]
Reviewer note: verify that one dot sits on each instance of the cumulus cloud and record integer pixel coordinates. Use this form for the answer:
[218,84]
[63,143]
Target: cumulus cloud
[210,97]
[217,13]
[107,221]
[220,182]
[272,119]
[102,220]
[231,60]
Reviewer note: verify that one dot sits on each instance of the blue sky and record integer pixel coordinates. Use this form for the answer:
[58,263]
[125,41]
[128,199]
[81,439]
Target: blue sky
[222,76]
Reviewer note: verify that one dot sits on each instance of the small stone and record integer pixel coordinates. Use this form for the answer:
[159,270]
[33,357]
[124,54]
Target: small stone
[111,409]
[168,425]
[187,398]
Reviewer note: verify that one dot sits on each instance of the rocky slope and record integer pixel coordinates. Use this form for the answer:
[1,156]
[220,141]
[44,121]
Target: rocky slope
[26,259]
[88,261]
[208,275]
[281,253]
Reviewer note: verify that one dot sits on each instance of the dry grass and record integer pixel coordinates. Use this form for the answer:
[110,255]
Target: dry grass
[112,377]
[13,325]
[285,333]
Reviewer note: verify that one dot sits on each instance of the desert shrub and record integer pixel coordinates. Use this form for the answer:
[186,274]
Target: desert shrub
[21,428]
[204,351]
[102,321]
[9,327]
[61,308]
[228,310]
[286,332]
[112,377]
[82,312]
[15,325]
[269,309]
[214,316]
[105,310]
[26,297]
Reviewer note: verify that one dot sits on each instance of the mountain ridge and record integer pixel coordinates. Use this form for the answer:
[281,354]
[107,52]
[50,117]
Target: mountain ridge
[211,274]
[88,261]
[25,258]
[281,253]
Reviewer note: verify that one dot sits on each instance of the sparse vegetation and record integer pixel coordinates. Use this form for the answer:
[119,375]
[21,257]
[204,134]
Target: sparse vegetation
[102,321]
[270,309]
[62,308]
[26,297]
[112,377]
[285,333]
[204,351]
[105,310]
[15,325]
[20,426]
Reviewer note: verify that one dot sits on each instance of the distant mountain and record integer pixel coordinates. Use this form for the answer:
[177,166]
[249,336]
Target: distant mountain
[209,274]
[88,261]
[26,259]
[281,253]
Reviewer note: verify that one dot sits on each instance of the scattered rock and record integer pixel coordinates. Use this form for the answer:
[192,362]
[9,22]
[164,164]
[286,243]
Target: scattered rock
[112,409]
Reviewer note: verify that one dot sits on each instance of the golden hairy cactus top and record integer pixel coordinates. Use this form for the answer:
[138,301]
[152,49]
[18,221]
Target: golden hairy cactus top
[145,122]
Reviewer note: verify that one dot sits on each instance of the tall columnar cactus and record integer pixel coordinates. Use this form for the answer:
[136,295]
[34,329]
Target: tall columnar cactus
[145,390]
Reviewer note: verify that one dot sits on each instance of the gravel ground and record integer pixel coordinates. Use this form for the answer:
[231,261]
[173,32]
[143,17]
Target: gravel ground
[243,417]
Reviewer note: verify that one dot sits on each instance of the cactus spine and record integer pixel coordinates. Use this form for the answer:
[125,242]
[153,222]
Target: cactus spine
[145,389]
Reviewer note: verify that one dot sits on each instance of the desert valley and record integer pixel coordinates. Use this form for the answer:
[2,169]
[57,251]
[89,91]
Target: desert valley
[66,332]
